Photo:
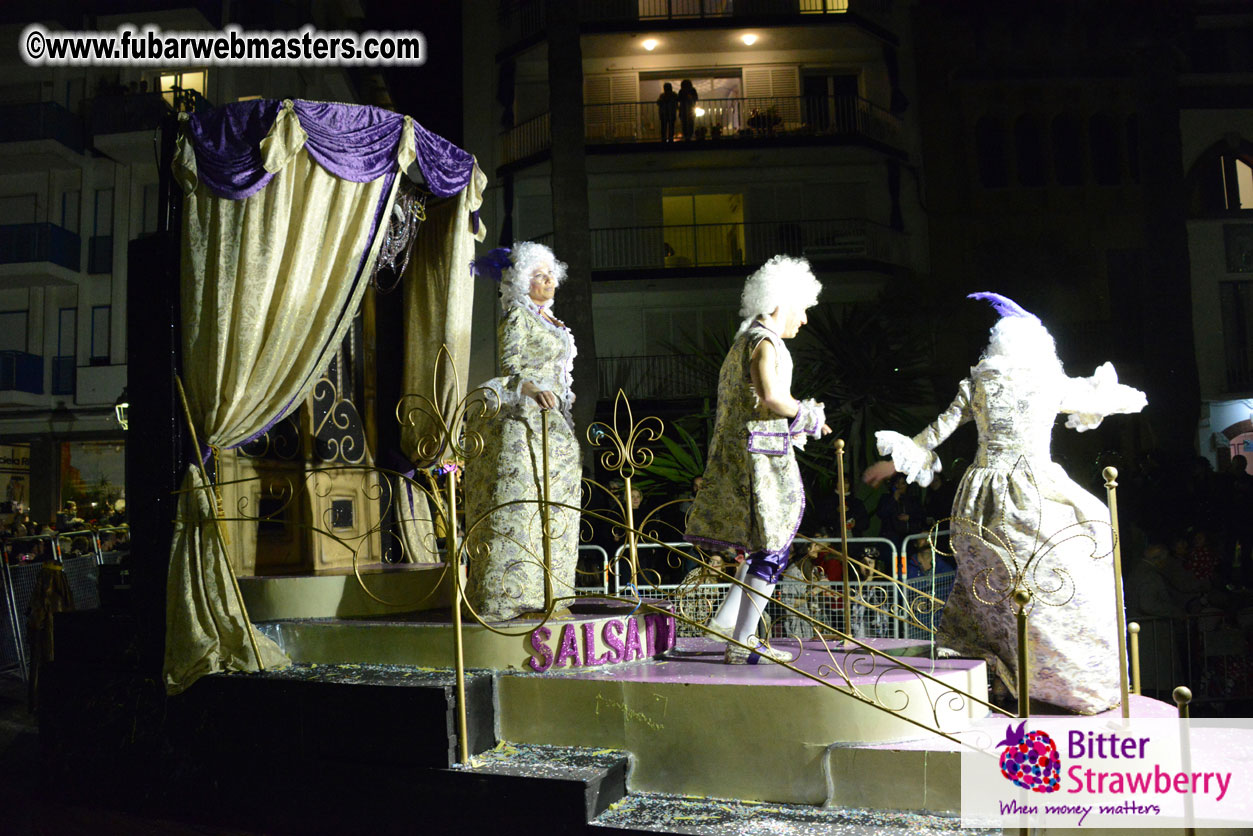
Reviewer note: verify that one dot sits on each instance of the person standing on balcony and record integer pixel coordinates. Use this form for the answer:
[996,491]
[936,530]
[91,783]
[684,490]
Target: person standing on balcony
[752,498]
[688,97]
[1019,520]
[504,485]
[667,109]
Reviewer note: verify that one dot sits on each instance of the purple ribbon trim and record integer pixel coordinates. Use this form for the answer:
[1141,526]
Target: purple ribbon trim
[398,462]
[752,440]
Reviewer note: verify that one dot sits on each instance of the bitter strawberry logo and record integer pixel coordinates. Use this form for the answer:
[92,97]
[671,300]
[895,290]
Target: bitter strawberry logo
[1030,759]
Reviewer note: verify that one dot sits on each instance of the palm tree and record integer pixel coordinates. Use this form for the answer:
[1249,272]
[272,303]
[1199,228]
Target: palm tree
[869,365]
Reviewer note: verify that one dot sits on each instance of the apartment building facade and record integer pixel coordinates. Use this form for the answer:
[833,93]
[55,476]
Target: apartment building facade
[801,141]
[78,184]
[1216,126]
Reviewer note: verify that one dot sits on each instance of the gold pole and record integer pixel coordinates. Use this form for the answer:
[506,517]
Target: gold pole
[630,533]
[1183,696]
[454,562]
[1111,483]
[543,516]
[844,574]
[1134,630]
[239,596]
[1022,598]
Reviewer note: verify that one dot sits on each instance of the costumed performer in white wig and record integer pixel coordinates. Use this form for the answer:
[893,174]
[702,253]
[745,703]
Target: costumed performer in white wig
[1018,518]
[536,356]
[752,498]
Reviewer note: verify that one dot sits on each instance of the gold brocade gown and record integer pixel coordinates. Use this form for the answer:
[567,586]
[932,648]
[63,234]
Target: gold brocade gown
[1018,515]
[504,485]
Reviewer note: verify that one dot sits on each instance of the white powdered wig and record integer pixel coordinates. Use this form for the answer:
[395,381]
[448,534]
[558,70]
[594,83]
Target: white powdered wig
[1021,341]
[780,280]
[515,282]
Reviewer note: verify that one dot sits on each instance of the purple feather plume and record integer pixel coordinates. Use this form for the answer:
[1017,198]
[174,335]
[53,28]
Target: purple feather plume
[493,263]
[1004,305]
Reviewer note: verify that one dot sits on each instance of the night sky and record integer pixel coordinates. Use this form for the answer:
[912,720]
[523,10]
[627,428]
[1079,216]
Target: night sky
[431,93]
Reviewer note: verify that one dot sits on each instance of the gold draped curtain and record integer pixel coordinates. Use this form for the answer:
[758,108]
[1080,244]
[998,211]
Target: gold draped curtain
[439,301]
[270,284]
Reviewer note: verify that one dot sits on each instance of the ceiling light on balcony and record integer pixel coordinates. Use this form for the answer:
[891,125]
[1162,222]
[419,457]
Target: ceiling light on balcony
[650,44]
[748,38]
[700,111]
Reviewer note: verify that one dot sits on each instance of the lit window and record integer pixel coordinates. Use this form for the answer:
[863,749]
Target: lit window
[703,230]
[176,85]
[1238,180]
[818,7]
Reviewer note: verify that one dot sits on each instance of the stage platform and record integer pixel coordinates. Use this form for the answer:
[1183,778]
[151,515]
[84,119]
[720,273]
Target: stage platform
[593,633]
[688,710]
[613,678]
[610,675]
[336,593]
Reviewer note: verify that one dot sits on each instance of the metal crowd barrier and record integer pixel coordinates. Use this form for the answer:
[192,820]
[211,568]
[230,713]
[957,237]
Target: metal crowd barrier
[12,650]
[602,573]
[821,600]
[1210,649]
[82,571]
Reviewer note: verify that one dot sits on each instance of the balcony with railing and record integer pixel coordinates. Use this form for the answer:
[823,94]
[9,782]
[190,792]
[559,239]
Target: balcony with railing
[41,121]
[126,112]
[659,10]
[721,123]
[121,125]
[534,136]
[734,244]
[656,376]
[523,19]
[21,372]
[38,244]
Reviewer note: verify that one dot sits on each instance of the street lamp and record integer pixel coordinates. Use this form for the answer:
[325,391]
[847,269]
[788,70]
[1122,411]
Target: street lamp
[120,408]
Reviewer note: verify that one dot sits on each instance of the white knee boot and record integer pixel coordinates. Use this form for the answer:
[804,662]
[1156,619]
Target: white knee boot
[728,613]
[752,607]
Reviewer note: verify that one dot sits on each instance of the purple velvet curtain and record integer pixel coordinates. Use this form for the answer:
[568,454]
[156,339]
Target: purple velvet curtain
[355,142]
[358,143]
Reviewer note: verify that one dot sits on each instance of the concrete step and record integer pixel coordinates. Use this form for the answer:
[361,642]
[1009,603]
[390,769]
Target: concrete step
[599,774]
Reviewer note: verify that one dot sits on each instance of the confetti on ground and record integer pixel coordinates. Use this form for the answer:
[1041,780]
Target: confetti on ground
[723,817]
[536,761]
[356,674]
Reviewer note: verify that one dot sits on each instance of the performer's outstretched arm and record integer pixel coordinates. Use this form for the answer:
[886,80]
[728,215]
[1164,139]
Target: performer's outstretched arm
[914,456]
[1087,400]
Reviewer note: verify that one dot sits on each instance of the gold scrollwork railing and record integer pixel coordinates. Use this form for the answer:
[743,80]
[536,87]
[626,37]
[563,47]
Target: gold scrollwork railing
[852,667]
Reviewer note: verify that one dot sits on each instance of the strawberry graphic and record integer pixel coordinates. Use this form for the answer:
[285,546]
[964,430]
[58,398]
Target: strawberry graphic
[1030,759]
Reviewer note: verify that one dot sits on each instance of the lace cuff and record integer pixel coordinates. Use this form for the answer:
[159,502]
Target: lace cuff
[1101,395]
[810,416]
[908,457]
